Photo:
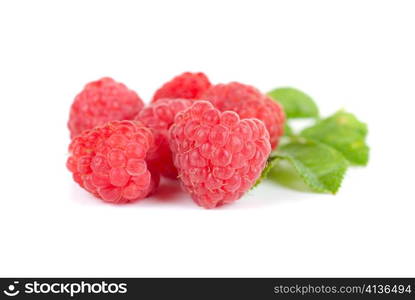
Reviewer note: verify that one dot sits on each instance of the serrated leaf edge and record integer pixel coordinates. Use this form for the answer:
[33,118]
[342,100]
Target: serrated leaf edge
[305,177]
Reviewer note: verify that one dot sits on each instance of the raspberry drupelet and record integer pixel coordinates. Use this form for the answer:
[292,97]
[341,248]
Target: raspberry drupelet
[110,161]
[218,155]
[159,116]
[248,102]
[186,86]
[102,101]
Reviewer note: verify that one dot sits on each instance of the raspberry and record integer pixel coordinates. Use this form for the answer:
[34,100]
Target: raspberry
[218,155]
[249,102]
[159,116]
[102,101]
[186,86]
[109,161]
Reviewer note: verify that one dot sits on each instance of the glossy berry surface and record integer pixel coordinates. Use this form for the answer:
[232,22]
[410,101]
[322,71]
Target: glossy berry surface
[110,161]
[218,155]
[186,86]
[159,116]
[248,102]
[102,101]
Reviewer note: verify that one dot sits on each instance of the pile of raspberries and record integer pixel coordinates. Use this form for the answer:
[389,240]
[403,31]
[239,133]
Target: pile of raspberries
[213,139]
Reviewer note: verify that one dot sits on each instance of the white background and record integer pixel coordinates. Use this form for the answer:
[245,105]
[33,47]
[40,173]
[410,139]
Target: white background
[357,55]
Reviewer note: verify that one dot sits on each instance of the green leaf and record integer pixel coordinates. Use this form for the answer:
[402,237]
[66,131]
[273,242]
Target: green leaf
[344,132]
[288,131]
[319,166]
[296,104]
[272,160]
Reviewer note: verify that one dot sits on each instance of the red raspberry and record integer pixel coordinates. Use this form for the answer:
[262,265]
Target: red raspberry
[159,116]
[102,101]
[249,102]
[109,161]
[186,86]
[218,156]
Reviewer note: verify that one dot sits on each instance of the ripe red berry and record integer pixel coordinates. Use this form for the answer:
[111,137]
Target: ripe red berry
[186,86]
[218,155]
[110,161]
[102,101]
[159,116]
[248,102]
